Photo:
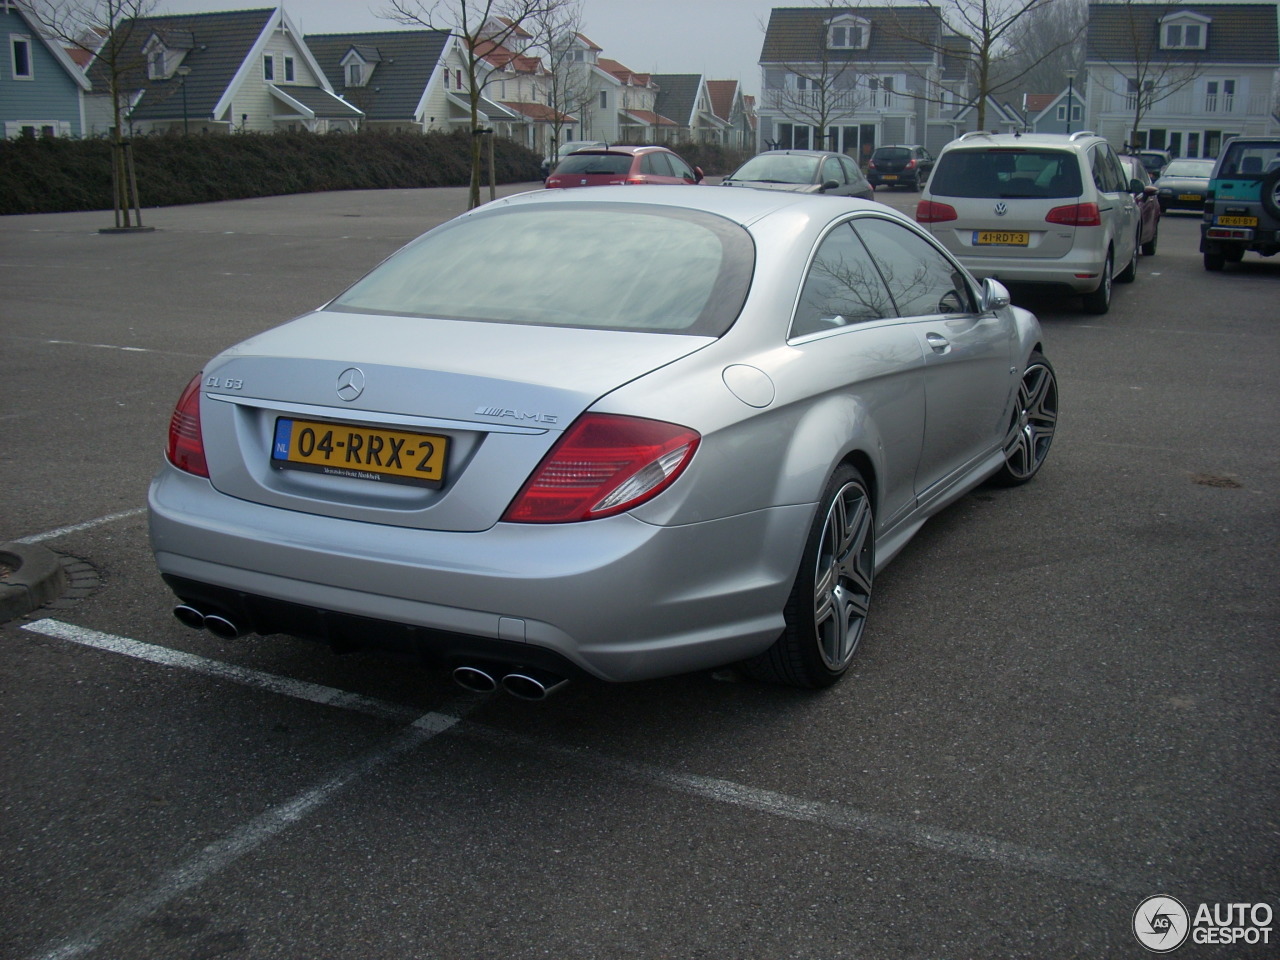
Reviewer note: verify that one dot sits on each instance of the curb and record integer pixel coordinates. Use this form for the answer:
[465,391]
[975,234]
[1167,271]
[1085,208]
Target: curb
[38,577]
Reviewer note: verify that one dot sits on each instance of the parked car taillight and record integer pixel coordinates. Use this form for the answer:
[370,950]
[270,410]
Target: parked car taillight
[603,465]
[636,180]
[186,444]
[911,164]
[871,164]
[1076,215]
[927,211]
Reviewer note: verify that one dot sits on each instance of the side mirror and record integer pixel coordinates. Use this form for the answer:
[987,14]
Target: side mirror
[1150,191]
[1135,186]
[697,174]
[829,185]
[995,296]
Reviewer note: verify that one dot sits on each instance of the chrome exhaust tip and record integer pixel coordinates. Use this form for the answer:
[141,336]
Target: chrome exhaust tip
[222,627]
[474,679]
[532,684]
[189,616]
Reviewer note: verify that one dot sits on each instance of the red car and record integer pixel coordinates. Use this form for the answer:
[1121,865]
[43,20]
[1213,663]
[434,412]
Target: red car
[1148,204]
[598,168]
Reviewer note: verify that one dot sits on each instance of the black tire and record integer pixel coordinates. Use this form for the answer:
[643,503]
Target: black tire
[1270,189]
[827,609]
[1213,261]
[1032,424]
[1233,254]
[1149,248]
[1099,302]
[1130,272]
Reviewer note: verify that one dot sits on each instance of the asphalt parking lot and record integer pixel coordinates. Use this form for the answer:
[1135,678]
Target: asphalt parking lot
[1066,700]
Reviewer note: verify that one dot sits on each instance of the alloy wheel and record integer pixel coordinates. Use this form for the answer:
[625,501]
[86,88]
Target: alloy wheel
[1035,418]
[843,574]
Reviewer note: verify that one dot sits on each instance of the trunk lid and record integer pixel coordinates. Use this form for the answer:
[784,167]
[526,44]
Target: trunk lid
[488,399]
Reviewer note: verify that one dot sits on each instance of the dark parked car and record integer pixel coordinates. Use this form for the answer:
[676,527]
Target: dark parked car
[802,171]
[900,166]
[1155,161]
[600,168]
[1148,204]
[1184,185]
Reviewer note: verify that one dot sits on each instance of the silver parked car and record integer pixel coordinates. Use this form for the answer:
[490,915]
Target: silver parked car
[1048,209]
[802,171]
[613,432]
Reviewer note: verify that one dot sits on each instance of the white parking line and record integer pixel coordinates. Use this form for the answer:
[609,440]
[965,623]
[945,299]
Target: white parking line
[218,855]
[422,727]
[87,525]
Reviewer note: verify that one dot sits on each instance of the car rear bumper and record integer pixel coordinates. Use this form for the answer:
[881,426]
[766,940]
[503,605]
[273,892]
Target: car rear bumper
[618,598]
[1072,272]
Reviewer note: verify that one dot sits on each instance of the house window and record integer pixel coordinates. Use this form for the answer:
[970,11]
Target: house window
[1183,36]
[1062,111]
[604,99]
[355,75]
[1131,98]
[21,48]
[457,79]
[848,34]
[268,67]
[799,82]
[288,69]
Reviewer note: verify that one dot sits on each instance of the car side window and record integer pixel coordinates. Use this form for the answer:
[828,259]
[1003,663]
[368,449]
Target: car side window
[1106,170]
[851,174]
[843,287]
[655,164]
[681,168]
[831,170]
[922,281]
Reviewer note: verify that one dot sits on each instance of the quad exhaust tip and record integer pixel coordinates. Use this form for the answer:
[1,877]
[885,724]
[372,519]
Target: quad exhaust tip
[525,684]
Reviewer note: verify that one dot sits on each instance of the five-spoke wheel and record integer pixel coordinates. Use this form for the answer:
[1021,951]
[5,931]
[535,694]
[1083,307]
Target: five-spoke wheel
[1032,425]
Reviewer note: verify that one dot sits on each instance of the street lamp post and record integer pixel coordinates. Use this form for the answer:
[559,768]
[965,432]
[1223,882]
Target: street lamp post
[1071,96]
[182,82]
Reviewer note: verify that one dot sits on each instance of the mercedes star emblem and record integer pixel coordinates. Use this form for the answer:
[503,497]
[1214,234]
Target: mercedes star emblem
[350,383]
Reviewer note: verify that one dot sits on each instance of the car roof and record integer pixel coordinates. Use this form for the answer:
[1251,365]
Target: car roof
[1075,141]
[741,206]
[899,146]
[625,148]
[797,153]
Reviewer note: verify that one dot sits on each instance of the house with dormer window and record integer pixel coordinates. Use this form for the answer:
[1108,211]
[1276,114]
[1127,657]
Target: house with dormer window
[240,70]
[41,88]
[1195,73]
[684,98]
[621,104]
[852,79]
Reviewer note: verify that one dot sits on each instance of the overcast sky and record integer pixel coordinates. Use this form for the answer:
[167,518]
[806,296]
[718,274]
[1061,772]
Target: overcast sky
[720,39]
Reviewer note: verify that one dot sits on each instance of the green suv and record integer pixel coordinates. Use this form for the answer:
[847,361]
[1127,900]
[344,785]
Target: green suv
[1242,210]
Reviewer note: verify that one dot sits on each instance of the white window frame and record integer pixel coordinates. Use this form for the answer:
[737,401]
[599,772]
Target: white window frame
[290,74]
[1175,30]
[17,40]
[269,67]
[848,33]
[355,74]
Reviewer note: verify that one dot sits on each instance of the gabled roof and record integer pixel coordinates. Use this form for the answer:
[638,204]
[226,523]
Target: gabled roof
[220,44]
[722,94]
[1035,102]
[405,64]
[66,59]
[586,41]
[649,118]
[500,58]
[313,102]
[537,112]
[1239,33]
[622,73]
[678,95]
[798,35]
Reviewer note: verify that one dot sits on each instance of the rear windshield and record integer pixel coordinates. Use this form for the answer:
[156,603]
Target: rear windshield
[1007,174]
[595,163]
[892,153]
[1189,168]
[595,265]
[1245,158]
[778,168]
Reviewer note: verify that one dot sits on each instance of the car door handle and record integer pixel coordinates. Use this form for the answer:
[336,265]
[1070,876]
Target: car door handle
[938,342]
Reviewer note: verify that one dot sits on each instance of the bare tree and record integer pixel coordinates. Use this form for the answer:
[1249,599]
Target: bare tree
[988,26]
[1143,71]
[1044,45]
[819,89]
[486,28]
[110,31]
[569,87]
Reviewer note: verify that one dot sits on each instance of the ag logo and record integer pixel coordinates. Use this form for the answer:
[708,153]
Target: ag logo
[1161,924]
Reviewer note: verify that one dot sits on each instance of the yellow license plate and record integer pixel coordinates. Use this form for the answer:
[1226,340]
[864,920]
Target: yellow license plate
[1190,196]
[1237,221]
[889,176]
[1001,238]
[364,453]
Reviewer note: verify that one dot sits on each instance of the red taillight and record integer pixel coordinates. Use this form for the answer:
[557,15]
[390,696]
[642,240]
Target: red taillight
[1076,215]
[186,445]
[636,180]
[911,164]
[604,464]
[929,212]
[871,164]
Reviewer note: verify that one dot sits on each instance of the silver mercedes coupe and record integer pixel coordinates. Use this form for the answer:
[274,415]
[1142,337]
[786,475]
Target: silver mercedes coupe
[622,433]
